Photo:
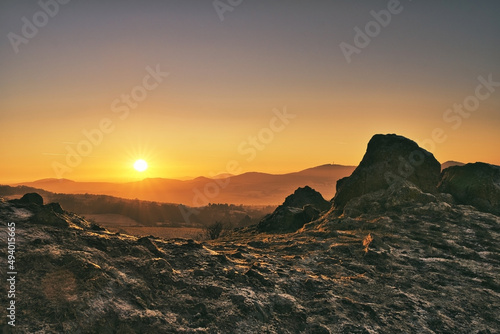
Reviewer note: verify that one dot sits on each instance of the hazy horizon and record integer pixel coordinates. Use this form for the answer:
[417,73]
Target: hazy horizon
[190,178]
[182,178]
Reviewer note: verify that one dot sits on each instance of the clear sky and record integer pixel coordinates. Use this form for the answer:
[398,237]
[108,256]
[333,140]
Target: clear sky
[229,79]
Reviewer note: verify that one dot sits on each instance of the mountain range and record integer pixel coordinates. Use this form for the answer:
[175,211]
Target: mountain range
[252,188]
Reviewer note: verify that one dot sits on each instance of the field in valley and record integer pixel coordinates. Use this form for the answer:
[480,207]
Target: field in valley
[126,225]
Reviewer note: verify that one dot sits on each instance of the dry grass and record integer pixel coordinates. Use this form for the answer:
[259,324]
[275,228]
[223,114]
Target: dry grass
[366,242]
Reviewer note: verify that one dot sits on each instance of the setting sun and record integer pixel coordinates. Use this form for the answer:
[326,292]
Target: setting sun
[140,165]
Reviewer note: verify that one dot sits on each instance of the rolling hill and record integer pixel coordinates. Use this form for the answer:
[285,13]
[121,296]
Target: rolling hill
[251,188]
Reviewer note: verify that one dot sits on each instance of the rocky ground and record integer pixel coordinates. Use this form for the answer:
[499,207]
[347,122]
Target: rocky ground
[391,259]
[428,269]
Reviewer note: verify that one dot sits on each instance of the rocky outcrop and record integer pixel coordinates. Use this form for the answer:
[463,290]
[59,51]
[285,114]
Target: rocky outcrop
[300,208]
[30,199]
[307,196]
[288,219]
[400,196]
[51,214]
[389,159]
[476,184]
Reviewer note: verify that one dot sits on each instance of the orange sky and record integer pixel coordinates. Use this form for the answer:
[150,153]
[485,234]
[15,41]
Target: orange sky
[228,79]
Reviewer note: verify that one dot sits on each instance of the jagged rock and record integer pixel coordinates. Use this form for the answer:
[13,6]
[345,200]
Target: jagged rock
[56,207]
[476,184]
[300,208]
[307,196]
[149,245]
[401,194]
[288,219]
[389,158]
[96,227]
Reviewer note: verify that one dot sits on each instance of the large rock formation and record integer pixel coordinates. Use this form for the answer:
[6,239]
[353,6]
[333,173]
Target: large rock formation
[476,184]
[300,208]
[389,159]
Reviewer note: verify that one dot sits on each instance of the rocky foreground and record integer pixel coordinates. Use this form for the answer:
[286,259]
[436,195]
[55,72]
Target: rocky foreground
[389,258]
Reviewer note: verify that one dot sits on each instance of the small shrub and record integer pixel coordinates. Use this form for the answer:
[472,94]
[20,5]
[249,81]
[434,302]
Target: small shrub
[213,231]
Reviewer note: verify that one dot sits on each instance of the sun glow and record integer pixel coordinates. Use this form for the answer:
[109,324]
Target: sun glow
[140,165]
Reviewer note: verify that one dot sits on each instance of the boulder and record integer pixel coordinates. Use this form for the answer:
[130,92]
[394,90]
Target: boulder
[298,209]
[389,159]
[307,196]
[476,184]
[56,207]
[31,198]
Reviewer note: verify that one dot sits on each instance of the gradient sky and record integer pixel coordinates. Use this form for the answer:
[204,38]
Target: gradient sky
[226,78]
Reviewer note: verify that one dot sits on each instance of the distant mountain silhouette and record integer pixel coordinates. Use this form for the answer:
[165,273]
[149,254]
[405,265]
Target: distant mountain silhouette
[450,164]
[251,188]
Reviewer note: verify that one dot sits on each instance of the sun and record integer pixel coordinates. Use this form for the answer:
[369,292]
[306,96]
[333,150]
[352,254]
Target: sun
[140,165]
